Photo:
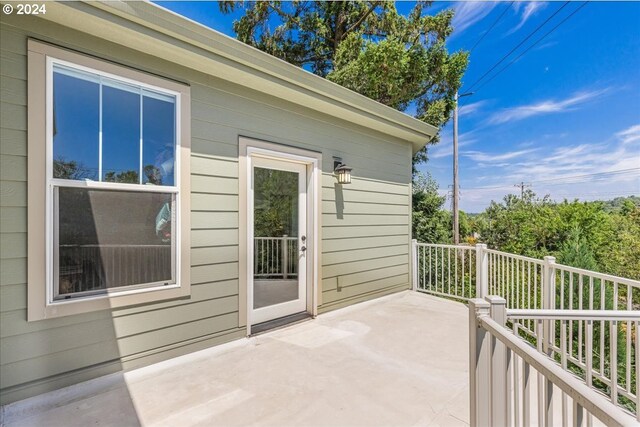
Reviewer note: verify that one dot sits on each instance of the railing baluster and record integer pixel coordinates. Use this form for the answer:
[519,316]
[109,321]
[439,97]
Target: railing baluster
[628,348]
[514,293]
[539,339]
[578,414]
[548,403]
[515,381]
[470,270]
[435,272]
[589,351]
[526,395]
[603,284]
[424,282]
[613,353]
[589,361]
[563,362]
[637,331]
[580,307]
[522,284]
[455,275]
[571,294]
[449,271]
[529,290]
[430,264]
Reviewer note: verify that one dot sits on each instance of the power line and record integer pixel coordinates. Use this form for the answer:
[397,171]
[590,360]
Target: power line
[517,46]
[530,47]
[491,27]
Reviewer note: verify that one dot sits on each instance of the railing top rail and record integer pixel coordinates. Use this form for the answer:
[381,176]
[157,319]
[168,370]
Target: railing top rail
[597,275]
[440,245]
[116,246]
[533,314]
[520,257]
[276,238]
[588,398]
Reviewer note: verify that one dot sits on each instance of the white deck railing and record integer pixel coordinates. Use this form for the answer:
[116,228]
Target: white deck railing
[501,388]
[275,257]
[582,346]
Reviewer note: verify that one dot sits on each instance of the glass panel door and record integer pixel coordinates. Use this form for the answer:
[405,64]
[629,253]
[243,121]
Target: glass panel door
[279,237]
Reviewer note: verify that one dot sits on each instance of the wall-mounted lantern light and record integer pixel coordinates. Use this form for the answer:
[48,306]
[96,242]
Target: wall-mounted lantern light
[342,171]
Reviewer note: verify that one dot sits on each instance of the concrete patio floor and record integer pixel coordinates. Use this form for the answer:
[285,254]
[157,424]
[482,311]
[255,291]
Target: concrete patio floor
[398,360]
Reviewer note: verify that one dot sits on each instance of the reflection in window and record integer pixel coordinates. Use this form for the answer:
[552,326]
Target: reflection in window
[158,142]
[102,127]
[120,134]
[111,239]
[76,125]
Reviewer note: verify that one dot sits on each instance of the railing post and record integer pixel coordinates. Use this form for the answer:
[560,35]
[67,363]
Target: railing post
[500,398]
[285,256]
[414,264]
[548,291]
[479,365]
[482,271]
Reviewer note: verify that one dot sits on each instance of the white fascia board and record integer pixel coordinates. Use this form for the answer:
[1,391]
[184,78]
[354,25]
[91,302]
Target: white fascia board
[165,34]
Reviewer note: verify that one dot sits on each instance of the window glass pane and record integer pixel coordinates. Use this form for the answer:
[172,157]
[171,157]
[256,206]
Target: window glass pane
[76,125]
[120,135]
[159,140]
[111,239]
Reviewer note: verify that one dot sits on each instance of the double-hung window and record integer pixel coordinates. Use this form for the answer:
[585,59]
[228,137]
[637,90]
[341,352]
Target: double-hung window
[113,175]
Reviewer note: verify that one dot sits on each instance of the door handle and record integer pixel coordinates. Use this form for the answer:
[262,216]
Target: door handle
[303,248]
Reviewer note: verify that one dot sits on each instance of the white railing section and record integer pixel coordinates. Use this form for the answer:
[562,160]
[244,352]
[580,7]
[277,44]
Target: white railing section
[582,346]
[502,391]
[474,272]
[607,362]
[445,270]
[275,257]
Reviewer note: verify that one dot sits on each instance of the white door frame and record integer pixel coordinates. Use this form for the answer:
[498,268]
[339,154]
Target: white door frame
[250,148]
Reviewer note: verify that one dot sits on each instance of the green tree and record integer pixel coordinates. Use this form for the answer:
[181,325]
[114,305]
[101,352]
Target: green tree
[366,46]
[430,221]
[130,177]
[576,252]
[275,203]
[70,169]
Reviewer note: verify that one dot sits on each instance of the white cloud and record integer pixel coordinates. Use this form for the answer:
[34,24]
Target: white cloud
[479,156]
[629,135]
[468,109]
[588,171]
[545,107]
[469,13]
[445,146]
[531,9]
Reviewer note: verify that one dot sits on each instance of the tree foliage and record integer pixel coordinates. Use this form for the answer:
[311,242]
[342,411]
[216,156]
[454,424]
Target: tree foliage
[581,234]
[431,222]
[70,169]
[366,46]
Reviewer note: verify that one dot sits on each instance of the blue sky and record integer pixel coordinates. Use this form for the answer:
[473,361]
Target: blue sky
[564,118]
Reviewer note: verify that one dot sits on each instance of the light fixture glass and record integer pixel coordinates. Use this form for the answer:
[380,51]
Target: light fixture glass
[342,171]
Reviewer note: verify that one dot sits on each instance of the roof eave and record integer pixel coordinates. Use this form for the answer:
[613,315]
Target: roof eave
[196,46]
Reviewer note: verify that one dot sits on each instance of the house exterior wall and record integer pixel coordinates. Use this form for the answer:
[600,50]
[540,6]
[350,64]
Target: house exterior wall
[365,225]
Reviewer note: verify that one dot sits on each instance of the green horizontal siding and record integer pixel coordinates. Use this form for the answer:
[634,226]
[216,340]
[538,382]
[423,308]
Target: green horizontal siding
[365,225]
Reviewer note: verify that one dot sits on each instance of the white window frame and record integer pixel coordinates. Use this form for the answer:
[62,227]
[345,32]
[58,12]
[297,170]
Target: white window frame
[53,183]
[41,282]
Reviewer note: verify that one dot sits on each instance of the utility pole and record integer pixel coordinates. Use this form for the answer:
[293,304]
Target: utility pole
[456,193]
[522,186]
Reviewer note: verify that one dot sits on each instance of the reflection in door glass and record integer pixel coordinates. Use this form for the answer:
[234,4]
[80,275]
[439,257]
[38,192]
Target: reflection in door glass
[275,237]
